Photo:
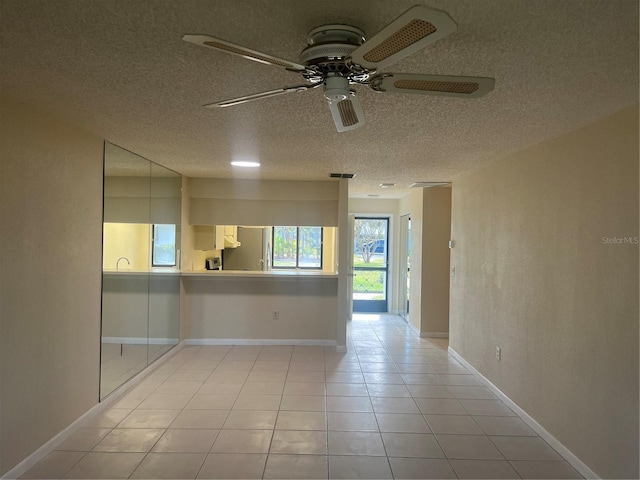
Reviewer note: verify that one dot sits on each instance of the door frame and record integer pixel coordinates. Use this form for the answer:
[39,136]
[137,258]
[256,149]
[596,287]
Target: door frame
[350,272]
[381,306]
[404,266]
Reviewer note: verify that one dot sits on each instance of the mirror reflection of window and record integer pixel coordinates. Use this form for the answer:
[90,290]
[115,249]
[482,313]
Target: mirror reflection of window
[163,253]
[297,247]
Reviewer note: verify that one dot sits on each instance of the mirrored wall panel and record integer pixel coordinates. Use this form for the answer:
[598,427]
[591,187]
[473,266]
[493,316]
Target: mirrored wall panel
[140,266]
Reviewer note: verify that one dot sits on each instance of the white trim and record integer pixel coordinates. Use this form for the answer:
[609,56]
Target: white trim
[567,454]
[45,449]
[426,334]
[341,348]
[413,327]
[434,335]
[257,341]
[141,340]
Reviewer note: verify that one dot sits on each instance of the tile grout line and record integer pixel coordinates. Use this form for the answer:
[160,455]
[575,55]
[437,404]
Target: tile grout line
[225,419]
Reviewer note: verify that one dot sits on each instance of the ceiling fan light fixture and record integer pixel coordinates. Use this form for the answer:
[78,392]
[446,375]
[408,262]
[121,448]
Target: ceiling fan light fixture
[336,88]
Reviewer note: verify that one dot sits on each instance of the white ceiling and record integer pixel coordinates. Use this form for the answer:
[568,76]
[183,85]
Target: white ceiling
[119,68]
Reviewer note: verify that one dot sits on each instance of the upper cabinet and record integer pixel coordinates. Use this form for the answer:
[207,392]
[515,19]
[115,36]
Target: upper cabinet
[215,237]
[231,236]
[208,237]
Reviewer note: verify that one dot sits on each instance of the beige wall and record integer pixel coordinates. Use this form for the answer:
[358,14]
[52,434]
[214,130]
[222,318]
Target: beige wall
[51,215]
[534,277]
[413,204]
[329,259]
[216,201]
[436,231]
[343,306]
[130,240]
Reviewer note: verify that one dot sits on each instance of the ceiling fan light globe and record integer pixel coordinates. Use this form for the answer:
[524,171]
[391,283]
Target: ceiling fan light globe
[336,88]
[336,95]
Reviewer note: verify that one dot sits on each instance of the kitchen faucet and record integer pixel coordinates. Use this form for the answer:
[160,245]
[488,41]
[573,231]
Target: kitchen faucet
[118,262]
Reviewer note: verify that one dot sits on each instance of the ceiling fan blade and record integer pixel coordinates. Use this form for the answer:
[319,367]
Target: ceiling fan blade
[444,85]
[259,96]
[415,29]
[347,114]
[207,41]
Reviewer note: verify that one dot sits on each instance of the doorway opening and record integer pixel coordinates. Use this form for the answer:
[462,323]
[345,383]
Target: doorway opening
[370,264]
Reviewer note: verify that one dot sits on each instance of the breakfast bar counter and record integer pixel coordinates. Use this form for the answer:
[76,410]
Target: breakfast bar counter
[275,274]
[276,306]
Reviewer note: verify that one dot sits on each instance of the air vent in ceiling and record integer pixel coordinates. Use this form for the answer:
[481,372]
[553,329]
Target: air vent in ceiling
[387,185]
[342,175]
[427,184]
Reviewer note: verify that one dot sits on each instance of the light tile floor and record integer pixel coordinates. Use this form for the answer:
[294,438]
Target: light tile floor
[394,406]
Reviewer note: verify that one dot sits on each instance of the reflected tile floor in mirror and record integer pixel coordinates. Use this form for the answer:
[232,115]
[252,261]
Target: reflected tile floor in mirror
[121,362]
[394,406]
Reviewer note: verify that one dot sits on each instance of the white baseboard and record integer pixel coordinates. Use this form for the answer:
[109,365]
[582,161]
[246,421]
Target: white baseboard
[140,340]
[257,341]
[427,334]
[341,348]
[434,335]
[567,454]
[49,446]
[413,328]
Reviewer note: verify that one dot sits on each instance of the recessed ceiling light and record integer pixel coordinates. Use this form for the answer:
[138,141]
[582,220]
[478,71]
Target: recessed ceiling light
[387,185]
[245,164]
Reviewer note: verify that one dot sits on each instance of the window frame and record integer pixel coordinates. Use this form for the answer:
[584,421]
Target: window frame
[153,247]
[297,265]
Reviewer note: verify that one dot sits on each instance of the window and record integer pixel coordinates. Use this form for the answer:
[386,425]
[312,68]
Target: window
[163,251]
[297,247]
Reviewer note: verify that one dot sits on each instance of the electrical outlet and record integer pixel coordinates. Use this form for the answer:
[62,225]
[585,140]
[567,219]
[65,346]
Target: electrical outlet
[498,353]
[276,315]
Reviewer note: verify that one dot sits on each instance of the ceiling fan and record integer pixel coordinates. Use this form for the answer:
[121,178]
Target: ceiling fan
[338,56]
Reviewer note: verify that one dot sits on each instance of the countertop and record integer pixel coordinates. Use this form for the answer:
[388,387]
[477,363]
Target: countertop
[259,274]
[224,273]
[151,271]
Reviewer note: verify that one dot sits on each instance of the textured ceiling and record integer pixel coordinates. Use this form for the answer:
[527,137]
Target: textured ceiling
[121,70]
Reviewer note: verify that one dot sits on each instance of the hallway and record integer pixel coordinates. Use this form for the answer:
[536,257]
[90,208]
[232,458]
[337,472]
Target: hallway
[394,406]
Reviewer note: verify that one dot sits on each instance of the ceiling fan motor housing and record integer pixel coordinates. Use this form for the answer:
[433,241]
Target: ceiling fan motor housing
[328,48]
